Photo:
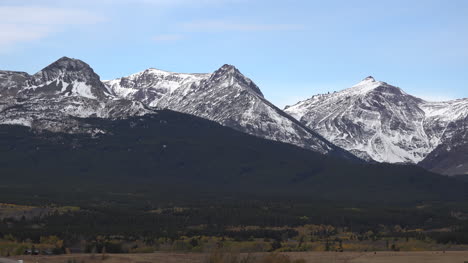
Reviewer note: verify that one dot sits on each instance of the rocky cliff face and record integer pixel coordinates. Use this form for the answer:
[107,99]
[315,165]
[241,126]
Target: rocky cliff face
[380,122]
[451,154]
[54,97]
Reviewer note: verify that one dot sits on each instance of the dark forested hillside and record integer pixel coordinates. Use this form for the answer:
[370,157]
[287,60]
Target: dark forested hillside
[173,157]
[161,178]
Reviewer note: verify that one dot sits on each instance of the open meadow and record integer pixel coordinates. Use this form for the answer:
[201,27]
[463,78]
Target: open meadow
[291,257]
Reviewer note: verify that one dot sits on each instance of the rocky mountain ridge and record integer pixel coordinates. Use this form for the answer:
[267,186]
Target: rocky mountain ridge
[380,122]
[67,89]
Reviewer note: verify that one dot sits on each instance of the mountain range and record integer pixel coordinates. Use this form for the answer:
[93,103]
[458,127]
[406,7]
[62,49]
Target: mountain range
[371,121]
[69,88]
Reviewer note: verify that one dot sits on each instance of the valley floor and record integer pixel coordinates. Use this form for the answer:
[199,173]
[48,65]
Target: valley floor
[308,257]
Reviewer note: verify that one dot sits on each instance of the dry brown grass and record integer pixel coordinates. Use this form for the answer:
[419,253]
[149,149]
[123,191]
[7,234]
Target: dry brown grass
[218,257]
[308,257]
[118,258]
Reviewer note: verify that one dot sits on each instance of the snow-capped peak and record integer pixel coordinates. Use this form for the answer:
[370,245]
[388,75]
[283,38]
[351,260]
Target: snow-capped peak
[366,85]
[378,121]
[369,78]
[63,66]
[226,71]
[68,76]
[229,68]
[228,75]
[160,72]
[150,85]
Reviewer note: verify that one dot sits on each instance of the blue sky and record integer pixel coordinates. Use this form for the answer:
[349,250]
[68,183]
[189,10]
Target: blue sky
[291,49]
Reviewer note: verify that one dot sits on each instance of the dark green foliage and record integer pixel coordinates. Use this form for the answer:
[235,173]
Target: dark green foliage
[458,235]
[194,242]
[173,156]
[276,244]
[128,181]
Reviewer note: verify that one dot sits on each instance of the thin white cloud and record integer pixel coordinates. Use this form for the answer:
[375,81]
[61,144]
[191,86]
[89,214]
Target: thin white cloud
[217,26]
[223,26]
[11,33]
[20,24]
[45,15]
[168,38]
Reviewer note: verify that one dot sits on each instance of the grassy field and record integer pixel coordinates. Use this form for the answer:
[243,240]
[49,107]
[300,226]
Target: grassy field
[307,257]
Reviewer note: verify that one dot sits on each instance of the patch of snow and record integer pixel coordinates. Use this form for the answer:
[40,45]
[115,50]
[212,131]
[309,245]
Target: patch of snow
[82,89]
[19,121]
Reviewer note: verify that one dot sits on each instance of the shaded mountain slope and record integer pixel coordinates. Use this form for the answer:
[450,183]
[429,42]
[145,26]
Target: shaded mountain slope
[183,154]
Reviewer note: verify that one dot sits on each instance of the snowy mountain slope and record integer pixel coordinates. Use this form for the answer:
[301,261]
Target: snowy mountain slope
[225,96]
[11,82]
[51,98]
[69,77]
[380,122]
[451,155]
[450,121]
[67,89]
[372,119]
[150,85]
[445,119]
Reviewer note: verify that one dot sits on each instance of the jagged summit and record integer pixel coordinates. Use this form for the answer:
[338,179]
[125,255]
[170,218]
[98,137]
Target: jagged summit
[225,71]
[69,61]
[369,86]
[157,70]
[151,85]
[54,97]
[67,69]
[230,75]
[366,85]
[70,77]
[366,88]
[369,78]
[162,71]
[168,74]
[229,67]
